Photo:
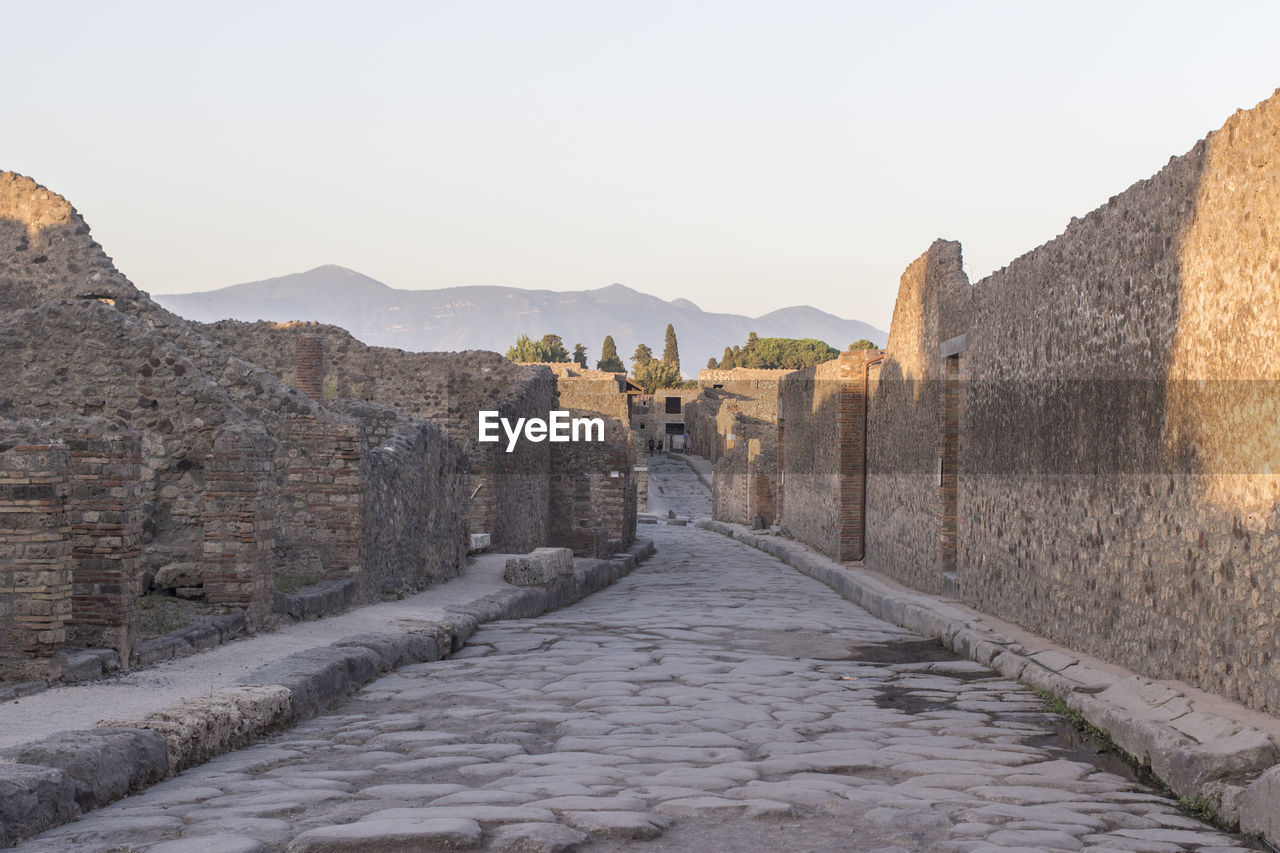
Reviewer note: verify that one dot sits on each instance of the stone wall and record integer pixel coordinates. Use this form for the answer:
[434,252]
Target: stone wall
[745,482]
[593,497]
[1096,457]
[509,493]
[820,455]
[749,395]
[69,533]
[649,415]
[160,446]
[415,506]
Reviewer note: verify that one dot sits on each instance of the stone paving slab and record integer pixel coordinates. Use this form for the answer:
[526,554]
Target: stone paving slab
[1203,747]
[71,749]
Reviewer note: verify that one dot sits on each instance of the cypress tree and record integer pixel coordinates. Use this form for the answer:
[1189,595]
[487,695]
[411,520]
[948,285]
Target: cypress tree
[670,350]
[609,357]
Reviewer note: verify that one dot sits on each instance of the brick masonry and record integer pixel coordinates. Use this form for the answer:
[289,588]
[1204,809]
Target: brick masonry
[36,566]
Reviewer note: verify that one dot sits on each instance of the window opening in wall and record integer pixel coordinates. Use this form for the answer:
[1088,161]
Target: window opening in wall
[674,405]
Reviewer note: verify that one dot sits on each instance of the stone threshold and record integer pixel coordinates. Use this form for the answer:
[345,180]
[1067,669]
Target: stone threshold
[1206,748]
[49,782]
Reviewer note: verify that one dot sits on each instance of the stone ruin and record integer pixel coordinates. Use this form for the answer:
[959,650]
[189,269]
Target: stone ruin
[223,468]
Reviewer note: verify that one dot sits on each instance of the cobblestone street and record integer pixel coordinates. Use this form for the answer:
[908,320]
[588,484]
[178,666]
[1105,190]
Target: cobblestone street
[715,699]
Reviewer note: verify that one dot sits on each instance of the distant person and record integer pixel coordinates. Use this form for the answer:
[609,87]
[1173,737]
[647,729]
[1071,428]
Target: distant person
[650,445]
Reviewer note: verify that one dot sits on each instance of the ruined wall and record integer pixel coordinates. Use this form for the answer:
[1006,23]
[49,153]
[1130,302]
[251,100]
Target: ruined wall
[415,504]
[745,482]
[820,436]
[231,469]
[593,497]
[511,491]
[69,532]
[649,415]
[86,358]
[724,396]
[1114,407]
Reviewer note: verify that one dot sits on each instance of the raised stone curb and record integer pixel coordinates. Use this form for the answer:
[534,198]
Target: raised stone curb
[1227,765]
[50,782]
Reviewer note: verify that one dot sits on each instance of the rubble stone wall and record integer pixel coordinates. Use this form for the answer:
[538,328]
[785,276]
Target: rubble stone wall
[511,491]
[1113,472]
[415,491]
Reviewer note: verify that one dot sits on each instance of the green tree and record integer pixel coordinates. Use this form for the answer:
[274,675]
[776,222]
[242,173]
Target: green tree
[711,363]
[609,360]
[786,353]
[862,343]
[654,374]
[580,356]
[642,355]
[555,348]
[529,351]
[752,337]
[727,361]
[670,349]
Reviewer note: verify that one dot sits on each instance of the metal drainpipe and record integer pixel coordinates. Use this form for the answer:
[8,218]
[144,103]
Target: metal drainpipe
[866,393]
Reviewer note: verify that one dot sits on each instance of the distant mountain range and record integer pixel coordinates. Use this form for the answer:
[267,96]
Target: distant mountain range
[459,318]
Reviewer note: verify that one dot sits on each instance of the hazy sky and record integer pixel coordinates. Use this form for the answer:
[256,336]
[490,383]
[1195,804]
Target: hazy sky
[745,155]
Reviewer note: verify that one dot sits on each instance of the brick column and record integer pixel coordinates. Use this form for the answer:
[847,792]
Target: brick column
[239,522]
[851,433]
[35,556]
[308,369]
[105,526]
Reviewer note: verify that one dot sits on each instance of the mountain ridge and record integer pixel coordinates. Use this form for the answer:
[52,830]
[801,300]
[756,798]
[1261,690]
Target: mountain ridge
[493,316]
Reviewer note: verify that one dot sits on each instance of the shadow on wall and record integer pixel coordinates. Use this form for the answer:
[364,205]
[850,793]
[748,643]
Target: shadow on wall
[1118,391]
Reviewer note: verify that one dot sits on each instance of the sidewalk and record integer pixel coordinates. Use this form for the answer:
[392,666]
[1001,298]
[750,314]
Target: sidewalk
[1210,751]
[77,747]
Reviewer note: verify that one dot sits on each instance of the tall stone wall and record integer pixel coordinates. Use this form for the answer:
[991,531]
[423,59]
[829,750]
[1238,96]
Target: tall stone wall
[903,508]
[1096,458]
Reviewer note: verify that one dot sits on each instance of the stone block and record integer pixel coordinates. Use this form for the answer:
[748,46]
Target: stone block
[1260,807]
[230,626]
[176,575]
[200,637]
[32,799]
[542,566]
[479,542]
[79,666]
[103,764]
